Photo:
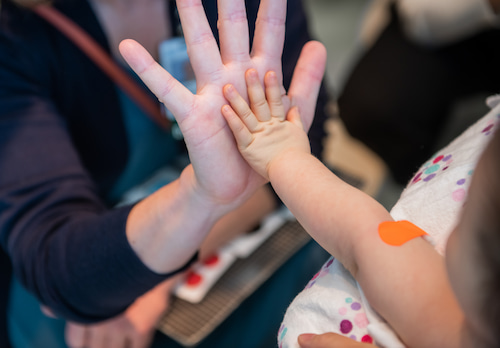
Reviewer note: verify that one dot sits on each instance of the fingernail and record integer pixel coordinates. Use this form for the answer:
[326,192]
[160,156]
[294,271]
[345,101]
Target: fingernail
[306,338]
[252,73]
[229,88]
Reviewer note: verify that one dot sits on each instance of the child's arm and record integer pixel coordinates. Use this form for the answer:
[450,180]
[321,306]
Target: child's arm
[408,284]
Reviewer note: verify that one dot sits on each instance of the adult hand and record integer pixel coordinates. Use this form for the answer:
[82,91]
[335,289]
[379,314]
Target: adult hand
[220,173]
[329,340]
[132,329]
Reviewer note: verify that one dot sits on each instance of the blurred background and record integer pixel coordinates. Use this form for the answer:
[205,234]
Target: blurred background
[347,28]
[338,25]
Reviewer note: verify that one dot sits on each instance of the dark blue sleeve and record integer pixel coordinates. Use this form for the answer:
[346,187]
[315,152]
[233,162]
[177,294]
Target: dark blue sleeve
[66,246]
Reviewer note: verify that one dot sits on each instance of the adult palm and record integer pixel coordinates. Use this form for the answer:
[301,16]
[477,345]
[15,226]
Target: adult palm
[220,173]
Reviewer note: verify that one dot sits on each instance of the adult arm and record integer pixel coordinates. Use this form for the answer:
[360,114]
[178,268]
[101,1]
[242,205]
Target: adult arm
[90,262]
[66,245]
[218,176]
[137,324]
[248,215]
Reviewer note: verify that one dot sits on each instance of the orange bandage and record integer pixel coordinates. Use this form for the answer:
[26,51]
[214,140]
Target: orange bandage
[399,232]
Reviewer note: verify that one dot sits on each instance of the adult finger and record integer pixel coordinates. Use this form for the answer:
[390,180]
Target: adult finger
[257,96]
[167,89]
[202,48]
[306,80]
[233,31]
[270,30]
[117,340]
[99,338]
[75,335]
[273,95]
[140,341]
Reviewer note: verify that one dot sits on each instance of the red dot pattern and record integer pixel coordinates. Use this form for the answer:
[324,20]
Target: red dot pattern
[367,339]
[212,260]
[193,279]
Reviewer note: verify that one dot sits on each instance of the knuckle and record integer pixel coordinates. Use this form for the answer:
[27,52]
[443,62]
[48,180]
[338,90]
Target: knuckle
[203,38]
[234,17]
[168,86]
[246,114]
[261,103]
[271,21]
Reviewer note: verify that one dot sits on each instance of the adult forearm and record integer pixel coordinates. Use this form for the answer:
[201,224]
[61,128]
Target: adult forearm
[168,227]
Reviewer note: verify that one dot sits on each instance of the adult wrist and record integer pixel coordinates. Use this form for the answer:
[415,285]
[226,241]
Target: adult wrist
[205,203]
[167,228]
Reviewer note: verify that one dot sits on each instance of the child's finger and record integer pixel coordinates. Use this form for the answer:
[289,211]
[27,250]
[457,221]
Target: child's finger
[273,94]
[241,108]
[293,116]
[241,133]
[257,96]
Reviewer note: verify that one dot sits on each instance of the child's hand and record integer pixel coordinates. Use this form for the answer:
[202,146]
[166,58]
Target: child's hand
[329,340]
[262,130]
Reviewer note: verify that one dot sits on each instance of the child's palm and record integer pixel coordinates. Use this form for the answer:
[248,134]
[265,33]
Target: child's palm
[263,130]
[276,138]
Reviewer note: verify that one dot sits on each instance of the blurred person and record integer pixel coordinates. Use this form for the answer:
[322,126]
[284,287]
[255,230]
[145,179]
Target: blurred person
[401,92]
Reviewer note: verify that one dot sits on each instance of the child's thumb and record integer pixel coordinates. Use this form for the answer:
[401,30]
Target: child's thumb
[294,117]
[327,340]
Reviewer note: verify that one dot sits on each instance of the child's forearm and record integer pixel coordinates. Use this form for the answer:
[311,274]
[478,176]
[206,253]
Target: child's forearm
[333,212]
[408,286]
